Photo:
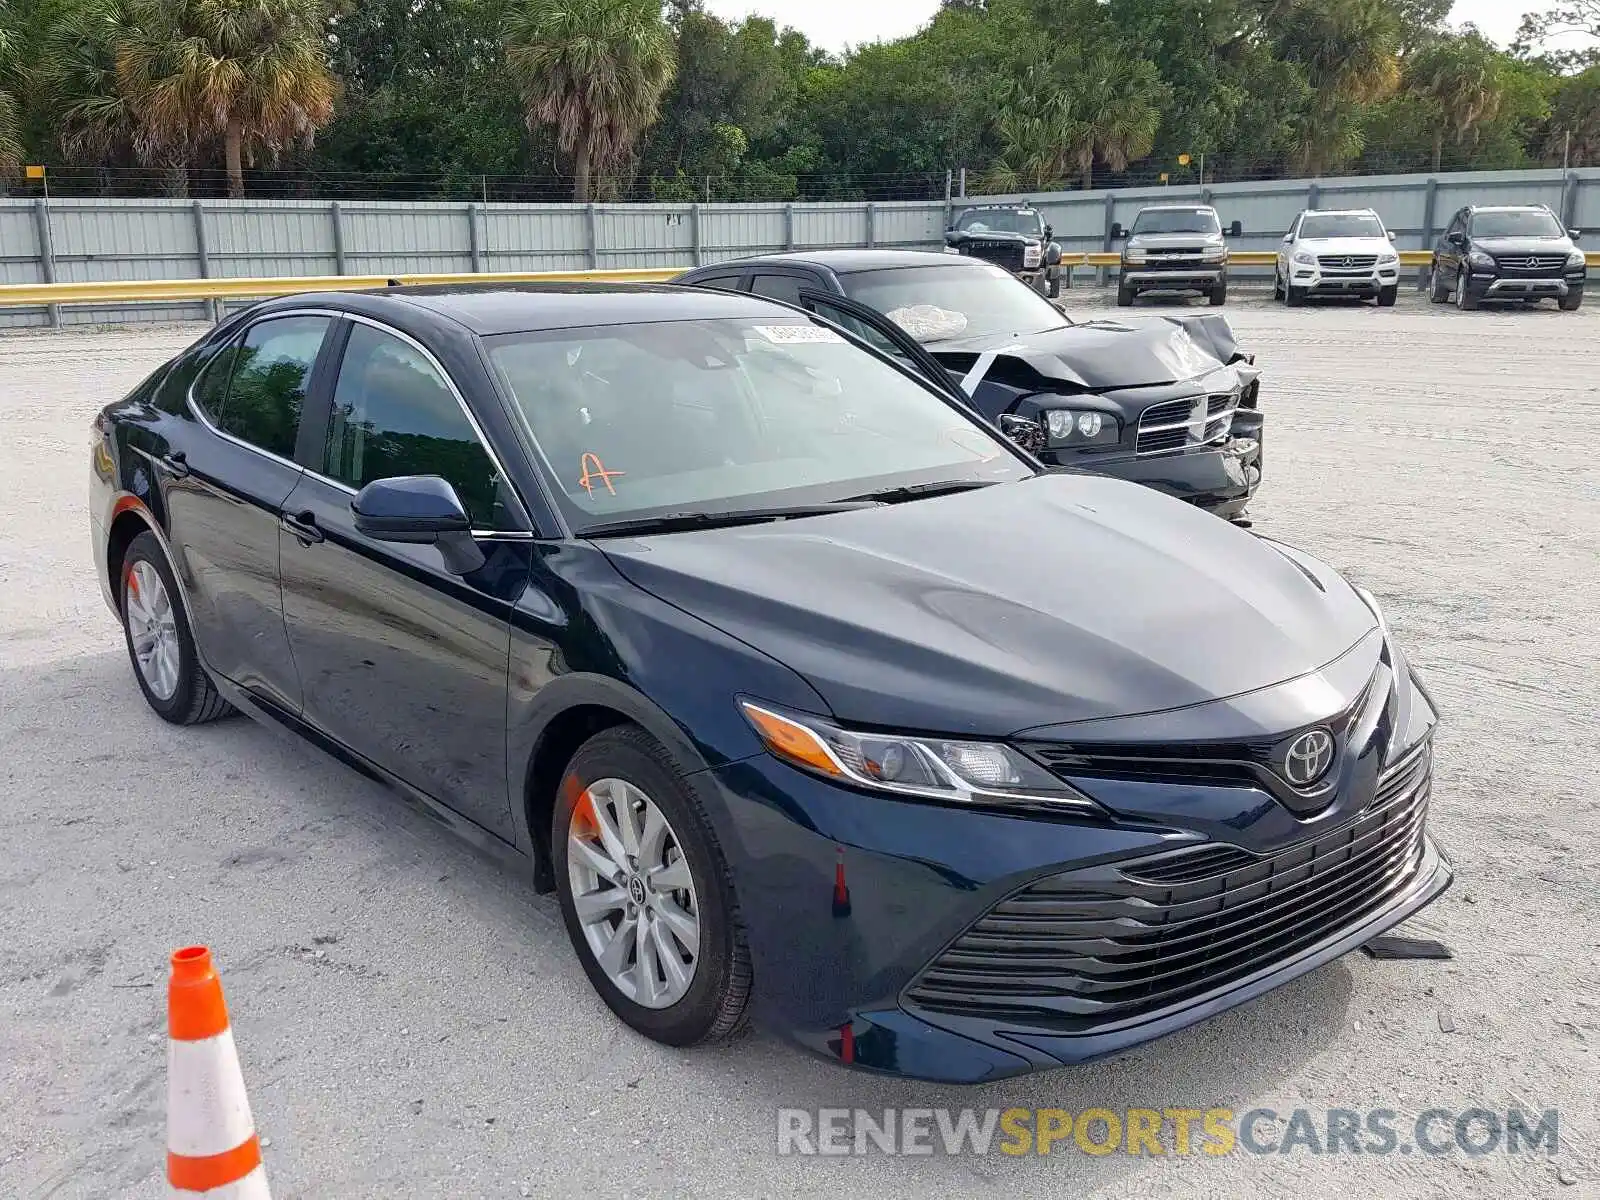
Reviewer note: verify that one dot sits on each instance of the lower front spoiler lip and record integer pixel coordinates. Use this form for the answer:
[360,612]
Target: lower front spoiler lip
[953,1049]
[1554,289]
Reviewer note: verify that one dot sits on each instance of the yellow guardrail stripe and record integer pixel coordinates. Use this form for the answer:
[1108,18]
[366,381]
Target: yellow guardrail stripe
[124,291]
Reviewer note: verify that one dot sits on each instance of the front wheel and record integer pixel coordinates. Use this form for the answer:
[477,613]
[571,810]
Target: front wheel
[1572,301]
[1218,295]
[646,893]
[1465,300]
[1438,290]
[1125,295]
[1387,296]
[1294,297]
[1277,284]
[1053,285]
[160,643]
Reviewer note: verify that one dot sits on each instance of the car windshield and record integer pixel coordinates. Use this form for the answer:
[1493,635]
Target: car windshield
[1341,225]
[1531,222]
[636,421]
[1001,220]
[1176,220]
[961,299]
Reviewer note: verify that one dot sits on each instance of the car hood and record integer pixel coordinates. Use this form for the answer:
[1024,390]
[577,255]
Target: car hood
[1103,354]
[1346,245]
[1057,599]
[1000,235]
[1524,245]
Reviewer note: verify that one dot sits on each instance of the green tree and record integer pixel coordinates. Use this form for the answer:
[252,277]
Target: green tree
[593,70]
[1460,78]
[10,116]
[1574,131]
[250,73]
[1348,50]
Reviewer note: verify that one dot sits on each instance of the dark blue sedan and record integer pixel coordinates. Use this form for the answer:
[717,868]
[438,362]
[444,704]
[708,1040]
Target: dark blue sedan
[810,695]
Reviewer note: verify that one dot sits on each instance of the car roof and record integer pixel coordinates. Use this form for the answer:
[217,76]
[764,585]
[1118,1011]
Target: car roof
[1341,212]
[492,309]
[1509,207]
[848,262]
[1177,208]
[1020,207]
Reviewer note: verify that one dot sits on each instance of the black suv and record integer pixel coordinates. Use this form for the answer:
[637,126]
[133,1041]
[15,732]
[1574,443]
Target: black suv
[1011,236]
[1508,253]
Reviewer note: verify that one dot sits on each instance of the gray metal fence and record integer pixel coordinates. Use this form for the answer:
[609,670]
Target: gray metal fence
[81,240]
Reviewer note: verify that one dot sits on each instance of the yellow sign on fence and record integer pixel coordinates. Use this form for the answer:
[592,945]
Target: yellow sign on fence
[1183,160]
[33,171]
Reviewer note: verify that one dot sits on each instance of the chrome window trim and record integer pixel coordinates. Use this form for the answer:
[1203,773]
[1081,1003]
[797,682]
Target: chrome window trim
[461,403]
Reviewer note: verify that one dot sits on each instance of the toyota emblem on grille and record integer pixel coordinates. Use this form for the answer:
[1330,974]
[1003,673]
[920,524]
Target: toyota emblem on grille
[1310,755]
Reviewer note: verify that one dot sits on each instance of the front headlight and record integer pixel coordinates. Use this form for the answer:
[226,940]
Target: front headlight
[1576,259]
[1135,257]
[1305,258]
[1031,254]
[951,770]
[1084,427]
[1388,260]
[1214,254]
[1479,259]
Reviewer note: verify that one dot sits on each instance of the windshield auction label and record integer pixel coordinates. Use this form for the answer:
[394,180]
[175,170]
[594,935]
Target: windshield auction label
[788,335]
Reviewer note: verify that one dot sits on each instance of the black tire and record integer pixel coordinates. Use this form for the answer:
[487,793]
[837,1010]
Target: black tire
[1125,296]
[1053,285]
[1465,300]
[1218,296]
[1572,301]
[1294,297]
[1438,290]
[195,700]
[714,1006]
[1387,296]
[1277,284]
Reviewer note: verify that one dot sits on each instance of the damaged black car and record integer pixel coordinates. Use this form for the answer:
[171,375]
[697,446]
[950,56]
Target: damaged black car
[1170,401]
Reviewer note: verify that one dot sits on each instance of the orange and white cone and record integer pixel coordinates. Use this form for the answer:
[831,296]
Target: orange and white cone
[212,1149]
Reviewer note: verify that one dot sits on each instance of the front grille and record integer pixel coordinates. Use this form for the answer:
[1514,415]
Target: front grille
[1357,263]
[1003,254]
[1192,421]
[1126,940]
[1532,264]
[1175,260]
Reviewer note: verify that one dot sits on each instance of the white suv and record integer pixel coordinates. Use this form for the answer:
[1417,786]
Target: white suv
[1337,253]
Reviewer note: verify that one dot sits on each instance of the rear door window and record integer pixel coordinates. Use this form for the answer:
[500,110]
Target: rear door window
[267,375]
[780,287]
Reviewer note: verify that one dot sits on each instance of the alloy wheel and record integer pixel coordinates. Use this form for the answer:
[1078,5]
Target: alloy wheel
[153,629]
[633,893]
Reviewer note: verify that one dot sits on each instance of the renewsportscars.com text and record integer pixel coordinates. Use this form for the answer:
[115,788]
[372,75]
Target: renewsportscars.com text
[1164,1131]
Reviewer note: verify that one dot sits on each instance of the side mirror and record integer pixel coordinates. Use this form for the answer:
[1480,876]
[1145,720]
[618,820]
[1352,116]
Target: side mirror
[419,510]
[1118,232]
[1049,233]
[1236,230]
[1575,234]
[1458,240]
[951,237]
[1288,237]
[1052,255]
[1391,235]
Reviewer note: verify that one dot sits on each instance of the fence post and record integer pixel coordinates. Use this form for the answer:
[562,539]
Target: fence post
[948,183]
[1108,243]
[591,227]
[1313,194]
[203,253]
[963,183]
[47,253]
[788,226]
[694,232]
[1428,197]
[337,213]
[872,224]
[475,234]
[1569,201]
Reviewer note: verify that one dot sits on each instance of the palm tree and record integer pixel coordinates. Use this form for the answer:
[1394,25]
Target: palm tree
[1036,128]
[253,73]
[1348,51]
[1461,78]
[10,119]
[595,70]
[1115,101]
[77,77]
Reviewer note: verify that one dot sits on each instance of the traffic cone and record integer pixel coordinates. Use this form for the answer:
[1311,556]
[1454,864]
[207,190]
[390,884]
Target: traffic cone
[212,1149]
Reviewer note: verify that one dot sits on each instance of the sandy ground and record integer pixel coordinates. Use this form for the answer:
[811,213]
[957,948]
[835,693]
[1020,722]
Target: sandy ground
[413,1022]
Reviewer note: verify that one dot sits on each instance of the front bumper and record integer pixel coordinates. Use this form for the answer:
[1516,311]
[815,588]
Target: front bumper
[1315,281]
[1489,286]
[848,899]
[1220,479]
[1184,279]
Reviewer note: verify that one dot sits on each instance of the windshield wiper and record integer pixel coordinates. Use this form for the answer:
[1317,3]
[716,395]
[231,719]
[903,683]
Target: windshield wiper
[920,491]
[674,522]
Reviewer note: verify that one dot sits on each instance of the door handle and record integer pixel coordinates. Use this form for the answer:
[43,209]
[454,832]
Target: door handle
[303,526]
[176,464]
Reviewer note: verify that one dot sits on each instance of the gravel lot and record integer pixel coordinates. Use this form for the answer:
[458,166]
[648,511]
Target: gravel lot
[413,1022]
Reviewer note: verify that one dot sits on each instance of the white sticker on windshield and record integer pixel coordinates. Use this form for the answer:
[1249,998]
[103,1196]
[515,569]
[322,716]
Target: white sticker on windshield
[786,335]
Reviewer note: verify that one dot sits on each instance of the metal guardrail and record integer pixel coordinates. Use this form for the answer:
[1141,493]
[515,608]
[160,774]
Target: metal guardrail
[117,291]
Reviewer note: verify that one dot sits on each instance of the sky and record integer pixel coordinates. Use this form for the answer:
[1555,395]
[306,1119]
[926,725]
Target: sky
[836,24]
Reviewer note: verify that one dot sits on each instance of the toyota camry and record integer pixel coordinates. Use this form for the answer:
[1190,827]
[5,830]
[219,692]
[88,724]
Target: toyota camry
[735,632]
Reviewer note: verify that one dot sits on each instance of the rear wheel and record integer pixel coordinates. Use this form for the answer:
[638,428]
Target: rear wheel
[1572,301]
[1387,296]
[646,893]
[160,643]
